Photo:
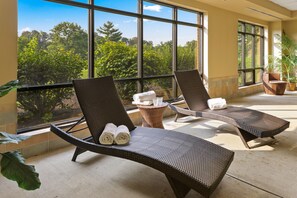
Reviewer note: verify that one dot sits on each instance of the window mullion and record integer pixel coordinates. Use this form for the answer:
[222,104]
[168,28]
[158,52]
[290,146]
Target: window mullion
[243,56]
[254,57]
[91,43]
[174,49]
[140,68]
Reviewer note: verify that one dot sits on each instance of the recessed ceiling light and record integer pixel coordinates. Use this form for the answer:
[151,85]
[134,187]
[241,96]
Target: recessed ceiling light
[288,4]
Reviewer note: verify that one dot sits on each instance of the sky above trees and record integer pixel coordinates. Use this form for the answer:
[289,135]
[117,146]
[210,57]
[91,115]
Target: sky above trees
[41,15]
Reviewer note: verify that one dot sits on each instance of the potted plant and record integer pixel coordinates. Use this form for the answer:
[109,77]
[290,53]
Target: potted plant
[12,163]
[289,61]
[273,65]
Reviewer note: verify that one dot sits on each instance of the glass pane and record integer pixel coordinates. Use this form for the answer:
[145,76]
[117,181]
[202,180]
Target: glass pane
[248,51]
[240,47]
[157,10]
[186,16]
[249,28]
[240,27]
[157,47]
[258,76]
[257,30]
[261,31]
[187,50]
[46,106]
[163,87]
[240,78]
[116,45]
[258,53]
[52,48]
[126,90]
[127,5]
[249,77]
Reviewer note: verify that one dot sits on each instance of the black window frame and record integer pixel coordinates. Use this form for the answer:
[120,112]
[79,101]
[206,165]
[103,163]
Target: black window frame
[140,16]
[242,68]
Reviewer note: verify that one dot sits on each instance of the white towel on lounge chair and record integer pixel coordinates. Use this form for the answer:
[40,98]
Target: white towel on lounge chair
[145,96]
[217,103]
[122,135]
[107,135]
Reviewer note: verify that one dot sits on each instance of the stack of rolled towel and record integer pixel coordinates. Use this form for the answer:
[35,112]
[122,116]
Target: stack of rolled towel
[114,135]
[145,98]
[217,103]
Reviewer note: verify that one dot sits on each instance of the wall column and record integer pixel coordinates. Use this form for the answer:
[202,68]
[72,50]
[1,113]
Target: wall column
[8,63]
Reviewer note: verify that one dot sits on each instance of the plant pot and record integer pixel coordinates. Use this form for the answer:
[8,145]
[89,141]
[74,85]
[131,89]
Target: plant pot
[291,86]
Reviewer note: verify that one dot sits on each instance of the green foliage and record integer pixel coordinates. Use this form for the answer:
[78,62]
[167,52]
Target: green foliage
[70,37]
[27,36]
[164,51]
[12,164]
[109,32]
[44,67]
[10,86]
[59,57]
[288,54]
[274,64]
[153,61]
[186,56]
[13,167]
[116,59]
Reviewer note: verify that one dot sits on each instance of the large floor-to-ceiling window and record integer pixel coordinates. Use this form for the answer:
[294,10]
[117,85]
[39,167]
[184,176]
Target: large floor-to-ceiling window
[140,43]
[250,53]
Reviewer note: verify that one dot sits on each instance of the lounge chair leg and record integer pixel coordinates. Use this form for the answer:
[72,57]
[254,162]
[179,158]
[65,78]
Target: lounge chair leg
[180,190]
[245,137]
[77,152]
[176,117]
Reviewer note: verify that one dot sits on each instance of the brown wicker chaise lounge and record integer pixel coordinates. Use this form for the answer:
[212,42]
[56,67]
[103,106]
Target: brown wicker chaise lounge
[187,161]
[250,124]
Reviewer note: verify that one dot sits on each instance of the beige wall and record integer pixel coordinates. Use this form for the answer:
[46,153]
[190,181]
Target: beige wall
[290,27]
[8,62]
[274,29]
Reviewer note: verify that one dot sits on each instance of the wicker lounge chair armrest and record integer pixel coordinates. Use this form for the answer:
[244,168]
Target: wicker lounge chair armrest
[87,143]
[184,111]
[180,102]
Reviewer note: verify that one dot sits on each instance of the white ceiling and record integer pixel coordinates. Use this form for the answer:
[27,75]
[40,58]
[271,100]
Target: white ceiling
[289,4]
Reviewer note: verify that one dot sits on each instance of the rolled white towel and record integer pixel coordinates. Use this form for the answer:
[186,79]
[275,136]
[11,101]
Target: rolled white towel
[145,96]
[217,103]
[107,135]
[145,103]
[122,135]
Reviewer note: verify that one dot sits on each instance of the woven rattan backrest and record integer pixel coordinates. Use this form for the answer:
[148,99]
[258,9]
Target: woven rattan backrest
[100,104]
[192,89]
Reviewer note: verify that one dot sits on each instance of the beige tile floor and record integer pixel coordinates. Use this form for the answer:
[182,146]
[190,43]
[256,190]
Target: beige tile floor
[263,172]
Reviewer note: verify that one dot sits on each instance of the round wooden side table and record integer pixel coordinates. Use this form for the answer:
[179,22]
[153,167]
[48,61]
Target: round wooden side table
[152,116]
